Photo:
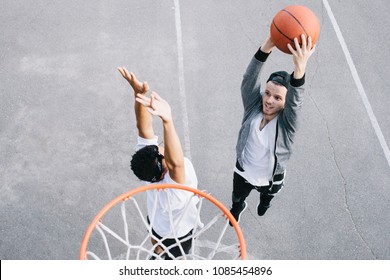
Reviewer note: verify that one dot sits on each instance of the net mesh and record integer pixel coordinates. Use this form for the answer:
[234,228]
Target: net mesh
[129,237]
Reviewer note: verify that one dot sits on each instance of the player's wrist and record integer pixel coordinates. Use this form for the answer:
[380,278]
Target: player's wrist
[297,80]
[267,46]
[262,56]
[167,121]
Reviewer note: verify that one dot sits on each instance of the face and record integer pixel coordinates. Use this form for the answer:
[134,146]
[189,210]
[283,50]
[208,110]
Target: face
[273,99]
[164,165]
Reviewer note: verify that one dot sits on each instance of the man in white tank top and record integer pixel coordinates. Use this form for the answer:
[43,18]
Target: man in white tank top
[154,164]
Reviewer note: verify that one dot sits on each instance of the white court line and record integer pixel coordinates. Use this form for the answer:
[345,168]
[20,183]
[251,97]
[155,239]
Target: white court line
[182,92]
[358,83]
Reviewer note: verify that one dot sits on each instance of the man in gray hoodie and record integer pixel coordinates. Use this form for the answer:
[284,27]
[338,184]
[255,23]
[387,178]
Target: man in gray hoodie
[268,126]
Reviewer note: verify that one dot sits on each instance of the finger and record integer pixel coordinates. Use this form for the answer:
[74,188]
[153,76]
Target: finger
[132,75]
[291,49]
[157,96]
[303,40]
[145,86]
[143,97]
[152,100]
[296,43]
[125,71]
[144,100]
[312,50]
[297,46]
[152,111]
[309,43]
[120,69]
[137,83]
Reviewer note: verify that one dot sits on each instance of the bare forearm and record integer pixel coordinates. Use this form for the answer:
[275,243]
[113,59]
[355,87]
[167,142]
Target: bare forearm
[143,118]
[299,72]
[267,45]
[144,121]
[174,155]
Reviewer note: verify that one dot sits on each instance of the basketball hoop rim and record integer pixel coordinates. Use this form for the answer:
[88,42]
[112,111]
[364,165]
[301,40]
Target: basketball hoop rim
[127,195]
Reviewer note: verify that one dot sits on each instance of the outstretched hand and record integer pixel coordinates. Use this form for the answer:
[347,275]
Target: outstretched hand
[156,106]
[301,55]
[268,44]
[137,86]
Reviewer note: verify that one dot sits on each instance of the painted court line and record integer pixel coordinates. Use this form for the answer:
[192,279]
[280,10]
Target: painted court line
[182,93]
[358,83]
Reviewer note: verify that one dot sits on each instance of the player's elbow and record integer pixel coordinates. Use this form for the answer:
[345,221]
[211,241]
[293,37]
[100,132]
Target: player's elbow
[146,133]
[176,164]
[177,174]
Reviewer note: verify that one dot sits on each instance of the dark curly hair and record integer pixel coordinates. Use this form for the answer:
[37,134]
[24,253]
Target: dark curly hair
[147,164]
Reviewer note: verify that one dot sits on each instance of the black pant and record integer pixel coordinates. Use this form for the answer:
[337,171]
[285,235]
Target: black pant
[175,250]
[242,189]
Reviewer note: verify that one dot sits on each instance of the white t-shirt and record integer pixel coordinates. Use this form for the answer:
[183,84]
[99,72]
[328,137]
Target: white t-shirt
[258,155]
[184,217]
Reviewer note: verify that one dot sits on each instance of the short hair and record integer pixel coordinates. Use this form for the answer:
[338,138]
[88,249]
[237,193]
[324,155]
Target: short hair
[146,164]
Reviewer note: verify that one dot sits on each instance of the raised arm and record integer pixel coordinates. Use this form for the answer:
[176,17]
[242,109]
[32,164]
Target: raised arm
[173,152]
[143,118]
[301,55]
[250,86]
[294,97]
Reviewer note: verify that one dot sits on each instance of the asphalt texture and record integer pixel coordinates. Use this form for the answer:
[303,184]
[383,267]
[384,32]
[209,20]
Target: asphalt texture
[67,127]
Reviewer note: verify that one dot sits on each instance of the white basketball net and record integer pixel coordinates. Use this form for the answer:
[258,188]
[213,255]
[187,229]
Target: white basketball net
[119,241]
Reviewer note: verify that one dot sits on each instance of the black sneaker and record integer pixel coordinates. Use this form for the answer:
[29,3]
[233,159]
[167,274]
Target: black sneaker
[236,211]
[262,208]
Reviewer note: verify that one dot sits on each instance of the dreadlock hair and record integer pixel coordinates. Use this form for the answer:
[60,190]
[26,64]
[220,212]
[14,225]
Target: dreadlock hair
[146,164]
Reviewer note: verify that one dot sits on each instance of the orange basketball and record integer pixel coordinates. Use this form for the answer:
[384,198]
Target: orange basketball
[291,22]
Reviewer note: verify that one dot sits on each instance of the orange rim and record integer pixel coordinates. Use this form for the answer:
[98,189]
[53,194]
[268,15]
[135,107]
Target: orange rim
[127,195]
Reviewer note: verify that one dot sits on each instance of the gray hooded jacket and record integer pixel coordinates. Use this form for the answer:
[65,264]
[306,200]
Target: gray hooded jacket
[287,121]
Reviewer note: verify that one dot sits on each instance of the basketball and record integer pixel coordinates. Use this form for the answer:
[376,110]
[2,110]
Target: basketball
[291,22]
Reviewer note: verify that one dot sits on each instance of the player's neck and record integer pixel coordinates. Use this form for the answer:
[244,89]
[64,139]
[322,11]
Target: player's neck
[266,119]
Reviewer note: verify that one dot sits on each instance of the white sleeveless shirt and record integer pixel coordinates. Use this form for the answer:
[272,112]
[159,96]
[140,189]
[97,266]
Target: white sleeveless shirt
[172,200]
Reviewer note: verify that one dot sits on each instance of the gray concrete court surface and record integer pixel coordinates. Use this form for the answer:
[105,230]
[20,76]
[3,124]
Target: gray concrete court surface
[67,127]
